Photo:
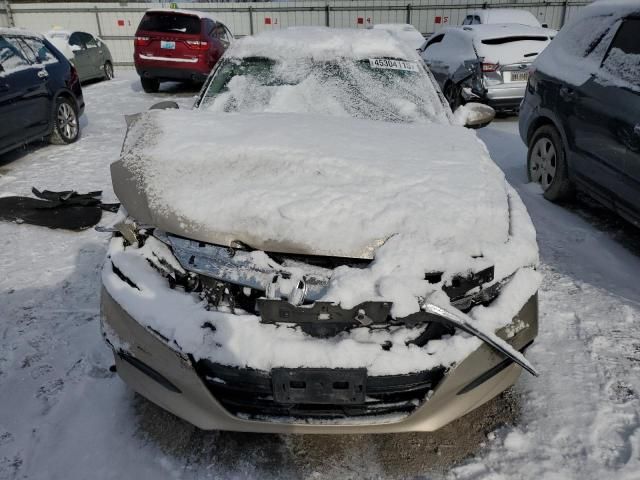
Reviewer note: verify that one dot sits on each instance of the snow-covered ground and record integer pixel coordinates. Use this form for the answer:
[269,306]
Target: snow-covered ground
[63,414]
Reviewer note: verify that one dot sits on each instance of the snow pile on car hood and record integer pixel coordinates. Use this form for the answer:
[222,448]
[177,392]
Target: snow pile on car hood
[420,198]
[320,43]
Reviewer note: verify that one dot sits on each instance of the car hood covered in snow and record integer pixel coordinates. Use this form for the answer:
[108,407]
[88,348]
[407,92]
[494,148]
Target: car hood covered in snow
[417,197]
[314,185]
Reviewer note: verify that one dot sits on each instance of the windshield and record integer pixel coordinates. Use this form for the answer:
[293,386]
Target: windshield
[162,22]
[378,89]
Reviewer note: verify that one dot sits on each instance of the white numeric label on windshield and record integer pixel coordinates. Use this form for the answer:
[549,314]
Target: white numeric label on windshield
[393,64]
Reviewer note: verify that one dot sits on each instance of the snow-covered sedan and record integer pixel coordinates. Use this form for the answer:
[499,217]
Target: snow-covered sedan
[318,246]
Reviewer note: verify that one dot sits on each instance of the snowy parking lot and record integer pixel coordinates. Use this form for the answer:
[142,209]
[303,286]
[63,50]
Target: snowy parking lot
[64,414]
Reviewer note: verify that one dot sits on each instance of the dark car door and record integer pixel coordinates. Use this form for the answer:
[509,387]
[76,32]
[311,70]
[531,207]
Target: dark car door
[81,57]
[433,54]
[606,125]
[94,54]
[622,63]
[24,97]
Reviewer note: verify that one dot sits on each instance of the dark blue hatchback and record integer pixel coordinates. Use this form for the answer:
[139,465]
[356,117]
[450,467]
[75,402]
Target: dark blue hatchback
[580,116]
[40,94]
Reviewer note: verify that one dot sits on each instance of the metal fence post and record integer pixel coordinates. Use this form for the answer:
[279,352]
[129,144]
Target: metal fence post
[250,20]
[564,13]
[98,21]
[409,13]
[327,9]
[7,8]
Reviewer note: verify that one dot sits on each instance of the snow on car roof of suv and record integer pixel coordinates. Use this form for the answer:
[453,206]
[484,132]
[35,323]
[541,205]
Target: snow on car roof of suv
[183,12]
[321,43]
[508,15]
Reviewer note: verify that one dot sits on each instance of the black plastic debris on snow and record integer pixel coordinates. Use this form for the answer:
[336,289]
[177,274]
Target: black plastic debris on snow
[68,210]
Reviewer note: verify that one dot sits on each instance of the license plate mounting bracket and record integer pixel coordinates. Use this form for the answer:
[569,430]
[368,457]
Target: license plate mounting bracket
[321,386]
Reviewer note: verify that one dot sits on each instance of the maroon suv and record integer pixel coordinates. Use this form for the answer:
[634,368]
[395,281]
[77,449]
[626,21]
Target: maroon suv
[177,45]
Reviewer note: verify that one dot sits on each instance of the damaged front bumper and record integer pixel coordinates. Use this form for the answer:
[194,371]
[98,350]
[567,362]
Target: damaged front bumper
[214,395]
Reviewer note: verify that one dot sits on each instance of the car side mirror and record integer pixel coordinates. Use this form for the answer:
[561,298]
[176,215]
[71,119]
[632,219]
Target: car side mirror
[474,115]
[545,25]
[166,105]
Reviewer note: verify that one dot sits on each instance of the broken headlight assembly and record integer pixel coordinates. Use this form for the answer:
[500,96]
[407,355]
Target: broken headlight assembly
[237,277]
[288,289]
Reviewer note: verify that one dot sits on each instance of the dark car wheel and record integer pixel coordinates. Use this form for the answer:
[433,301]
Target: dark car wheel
[547,165]
[108,71]
[150,85]
[66,127]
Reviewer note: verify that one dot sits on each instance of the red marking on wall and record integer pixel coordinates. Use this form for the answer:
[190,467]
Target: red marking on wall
[438,19]
[360,21]
[267,20]
[121,23]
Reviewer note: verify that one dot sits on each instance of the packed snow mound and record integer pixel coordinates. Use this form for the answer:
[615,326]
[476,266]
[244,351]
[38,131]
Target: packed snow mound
[320,43]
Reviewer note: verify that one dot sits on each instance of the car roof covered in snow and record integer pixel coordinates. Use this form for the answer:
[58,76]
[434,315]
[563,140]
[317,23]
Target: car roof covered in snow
[183,12]
[500,30]
[507,15]
[18,31]
[322,43]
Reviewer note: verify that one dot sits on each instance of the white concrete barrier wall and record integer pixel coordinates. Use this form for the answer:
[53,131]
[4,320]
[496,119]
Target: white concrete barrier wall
[116,23]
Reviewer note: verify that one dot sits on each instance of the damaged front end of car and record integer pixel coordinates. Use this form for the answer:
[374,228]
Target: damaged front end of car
[235,292]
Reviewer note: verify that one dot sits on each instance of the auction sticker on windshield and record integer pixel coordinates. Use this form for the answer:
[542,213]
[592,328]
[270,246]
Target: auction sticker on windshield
[393,64]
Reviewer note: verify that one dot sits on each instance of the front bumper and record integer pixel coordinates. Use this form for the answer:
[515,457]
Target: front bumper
[223,400]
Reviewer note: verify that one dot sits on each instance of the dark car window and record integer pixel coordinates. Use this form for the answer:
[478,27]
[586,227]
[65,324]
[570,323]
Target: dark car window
[11,56]
[76,40]
[623,59]
[229,34]
[515,38]
[88,39]
[468,19]
[476,20]
[627,38]
[436,39]
[165,22]
[581,38]
[37,51]
[220,32]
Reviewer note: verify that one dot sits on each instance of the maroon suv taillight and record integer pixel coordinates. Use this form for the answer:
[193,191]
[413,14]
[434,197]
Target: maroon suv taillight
[197,44]
[141,41]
